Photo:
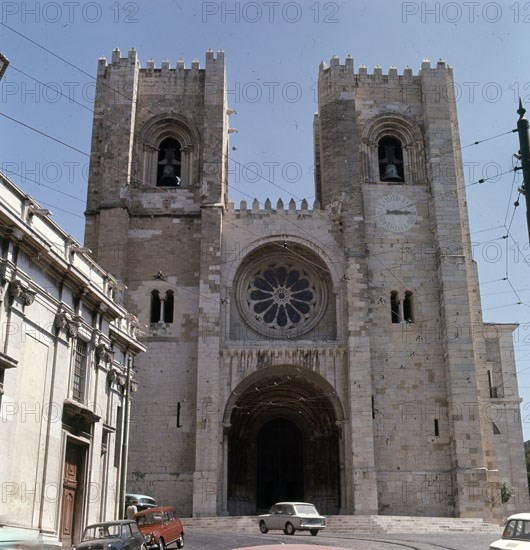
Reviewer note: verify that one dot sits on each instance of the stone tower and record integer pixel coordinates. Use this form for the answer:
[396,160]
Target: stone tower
[336,354]
[156,187]
[388,162]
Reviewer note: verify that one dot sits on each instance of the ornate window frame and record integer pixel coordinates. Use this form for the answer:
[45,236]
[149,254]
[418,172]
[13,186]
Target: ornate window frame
[407,133]
[153,133]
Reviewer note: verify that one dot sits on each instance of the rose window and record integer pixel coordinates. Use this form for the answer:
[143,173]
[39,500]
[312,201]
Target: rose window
[282,299]
[282,296]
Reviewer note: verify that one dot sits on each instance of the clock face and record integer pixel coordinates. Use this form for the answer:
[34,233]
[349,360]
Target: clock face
[395,213]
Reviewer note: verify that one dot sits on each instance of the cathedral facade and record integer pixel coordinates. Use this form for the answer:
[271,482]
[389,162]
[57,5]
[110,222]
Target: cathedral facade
[333,352]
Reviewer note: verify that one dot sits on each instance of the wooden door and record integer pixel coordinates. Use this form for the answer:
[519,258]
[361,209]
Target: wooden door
[71,486]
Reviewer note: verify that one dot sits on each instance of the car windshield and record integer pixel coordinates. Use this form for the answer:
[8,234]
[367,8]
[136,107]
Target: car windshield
[517,529]
[101,532]
[306,510]
[150,501]
[149,519]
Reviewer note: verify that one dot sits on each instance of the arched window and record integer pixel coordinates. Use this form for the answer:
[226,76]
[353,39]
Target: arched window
[390,155]
[395,307]
[155,307]
[391,140]
[169,163]
[167,147]
[168,307]
[408,311]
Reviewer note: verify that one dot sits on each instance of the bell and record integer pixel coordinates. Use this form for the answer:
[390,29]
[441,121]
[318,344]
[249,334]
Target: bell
[391,173]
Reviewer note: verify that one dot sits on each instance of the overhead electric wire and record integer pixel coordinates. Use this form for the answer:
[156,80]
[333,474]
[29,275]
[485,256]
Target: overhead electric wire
[72,100]
[141,106]
[271,182]
[45,134]
[46,49]
[40,184]
[488,139]
[230,158]
[312,236]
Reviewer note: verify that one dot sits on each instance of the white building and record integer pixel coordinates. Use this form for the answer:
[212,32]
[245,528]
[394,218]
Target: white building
[66,352]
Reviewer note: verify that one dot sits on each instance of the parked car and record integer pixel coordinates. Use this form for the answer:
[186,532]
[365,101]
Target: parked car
[112,534]
[160,527]
[291,517]
[144,501]
[516,534]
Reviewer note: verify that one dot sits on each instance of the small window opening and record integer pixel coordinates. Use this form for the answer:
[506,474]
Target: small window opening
[496,430]
[436,428]
[394,306]
[168,307]
[169,163]
[104,442]
[373,406]
[155,306]
[408,313]
[390,155]
[179,425]
[492,388]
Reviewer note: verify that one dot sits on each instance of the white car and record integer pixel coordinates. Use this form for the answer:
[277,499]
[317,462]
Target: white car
[516,534]
[291,517]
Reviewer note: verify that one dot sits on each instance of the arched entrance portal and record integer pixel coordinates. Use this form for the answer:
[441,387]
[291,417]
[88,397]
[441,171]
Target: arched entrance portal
[283,442]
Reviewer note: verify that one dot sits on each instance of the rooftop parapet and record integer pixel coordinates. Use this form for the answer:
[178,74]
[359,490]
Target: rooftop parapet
[267,209]
[165,66]
[346,69]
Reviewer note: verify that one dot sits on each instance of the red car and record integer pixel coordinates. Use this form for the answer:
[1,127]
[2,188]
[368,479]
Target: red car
[160,527]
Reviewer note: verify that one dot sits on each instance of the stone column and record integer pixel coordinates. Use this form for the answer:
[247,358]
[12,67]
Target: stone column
[469,469]
[341,188]
[209,444]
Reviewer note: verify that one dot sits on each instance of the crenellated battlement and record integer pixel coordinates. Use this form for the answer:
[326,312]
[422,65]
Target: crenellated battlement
[336,69]
[391,90]
[117,61]
[290,209]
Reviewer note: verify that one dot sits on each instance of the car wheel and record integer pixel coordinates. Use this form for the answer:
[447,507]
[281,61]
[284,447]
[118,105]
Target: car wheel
[263,527]
[180,541]
[161,544]
[289,529]
[314,532]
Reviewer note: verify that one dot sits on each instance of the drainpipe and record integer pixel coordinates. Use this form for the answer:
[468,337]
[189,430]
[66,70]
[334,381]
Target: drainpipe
[125,440]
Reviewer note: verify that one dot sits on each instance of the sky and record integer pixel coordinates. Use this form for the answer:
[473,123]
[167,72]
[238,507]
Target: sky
[273,50]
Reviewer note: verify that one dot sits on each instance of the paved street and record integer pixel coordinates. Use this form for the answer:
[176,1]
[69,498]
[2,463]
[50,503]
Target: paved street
[202,540]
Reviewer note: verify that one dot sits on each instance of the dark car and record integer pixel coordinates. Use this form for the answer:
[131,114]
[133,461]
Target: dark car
[160,527]
[115,535]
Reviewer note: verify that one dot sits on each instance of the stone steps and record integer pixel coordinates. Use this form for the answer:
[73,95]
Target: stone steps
[356,524]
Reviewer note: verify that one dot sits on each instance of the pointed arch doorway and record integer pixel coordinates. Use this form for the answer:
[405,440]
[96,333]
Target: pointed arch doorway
[283,442]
